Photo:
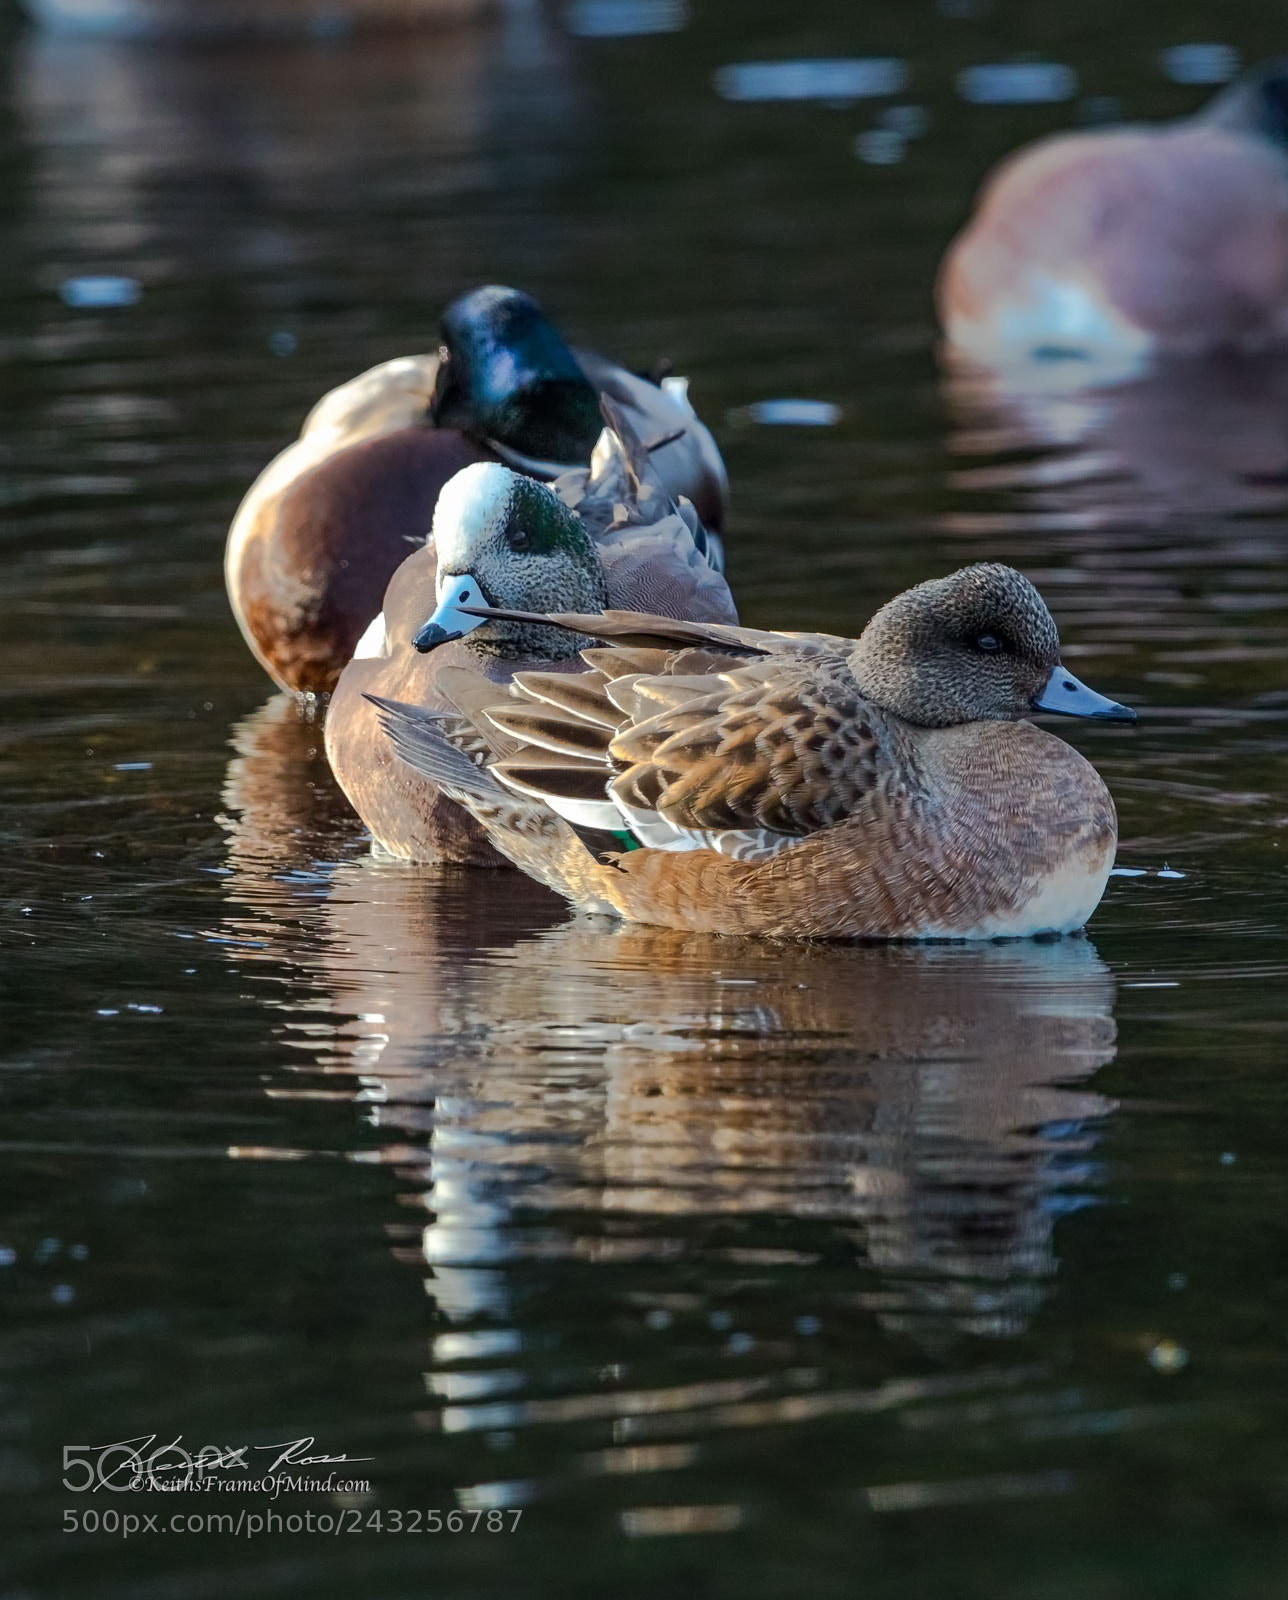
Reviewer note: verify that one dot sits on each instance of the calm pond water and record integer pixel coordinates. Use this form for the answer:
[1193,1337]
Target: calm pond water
[737,1269]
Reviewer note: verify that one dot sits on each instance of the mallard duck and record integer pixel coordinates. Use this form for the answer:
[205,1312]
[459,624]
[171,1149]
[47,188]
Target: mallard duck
[325,525]
[730,780]
[1117,244]
[609,535]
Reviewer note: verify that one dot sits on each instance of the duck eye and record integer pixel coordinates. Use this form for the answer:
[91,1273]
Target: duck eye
[989,643]
[519,538]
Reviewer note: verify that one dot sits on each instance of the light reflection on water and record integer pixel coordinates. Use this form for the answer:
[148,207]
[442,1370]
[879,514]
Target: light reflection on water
[836,81]
[619,19]
[1017,83]
[1191,441]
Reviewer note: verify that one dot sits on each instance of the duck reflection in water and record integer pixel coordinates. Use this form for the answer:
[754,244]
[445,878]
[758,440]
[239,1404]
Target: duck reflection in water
[582,1092]
[1186,441]
[190,162]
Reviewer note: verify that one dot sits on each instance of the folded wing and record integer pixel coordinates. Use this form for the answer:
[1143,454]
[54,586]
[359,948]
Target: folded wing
[692,737]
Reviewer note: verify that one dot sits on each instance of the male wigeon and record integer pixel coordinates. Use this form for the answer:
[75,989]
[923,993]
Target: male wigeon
[325,525]
[736,781]
[1115,245]
[610,535]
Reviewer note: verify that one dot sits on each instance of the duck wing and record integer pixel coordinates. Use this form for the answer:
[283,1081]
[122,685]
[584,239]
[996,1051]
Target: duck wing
[682,452]
[659,569]
[704,746]
[645,628]
[786,746]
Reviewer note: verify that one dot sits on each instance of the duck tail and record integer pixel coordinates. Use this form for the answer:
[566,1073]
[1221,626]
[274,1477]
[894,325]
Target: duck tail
[624,460]
[442,747]
[449,751]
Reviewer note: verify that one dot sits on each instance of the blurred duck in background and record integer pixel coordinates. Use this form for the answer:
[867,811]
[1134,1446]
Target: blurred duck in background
[1113,246]
[207,18]
[326,524]
[607,535]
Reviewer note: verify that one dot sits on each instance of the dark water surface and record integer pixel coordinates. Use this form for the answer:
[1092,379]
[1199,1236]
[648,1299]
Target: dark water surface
[741,1270]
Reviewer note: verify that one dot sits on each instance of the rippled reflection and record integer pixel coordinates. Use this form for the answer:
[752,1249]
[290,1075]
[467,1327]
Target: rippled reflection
[574,1091]
[1188,440]
[675,1185]
[236,158]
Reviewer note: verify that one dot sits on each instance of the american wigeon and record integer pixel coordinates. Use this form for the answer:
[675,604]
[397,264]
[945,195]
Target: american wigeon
[609,535]
[325,525]
[736,781]
[1122,243]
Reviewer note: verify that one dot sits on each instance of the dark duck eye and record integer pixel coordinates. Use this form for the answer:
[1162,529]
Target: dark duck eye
[519,538]
[989,643]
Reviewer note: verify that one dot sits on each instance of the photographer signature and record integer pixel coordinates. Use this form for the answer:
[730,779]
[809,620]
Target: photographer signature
[143,1456]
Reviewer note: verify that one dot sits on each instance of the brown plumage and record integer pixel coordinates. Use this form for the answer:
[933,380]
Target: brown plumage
[1122,243]
[325,525]
[802,785]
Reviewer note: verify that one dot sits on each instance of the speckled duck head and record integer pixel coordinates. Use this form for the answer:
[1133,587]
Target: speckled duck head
[977,646]
[504,540]
[506,376]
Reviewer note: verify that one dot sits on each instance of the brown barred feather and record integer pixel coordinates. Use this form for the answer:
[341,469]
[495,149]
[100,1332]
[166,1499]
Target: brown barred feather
[568,780]
[660,694]
[639,787]
[780,745]
[619,661]
[621,693]
[580,694]
[547,729]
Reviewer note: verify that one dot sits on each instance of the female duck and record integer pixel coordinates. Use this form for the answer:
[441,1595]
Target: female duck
[324,527]
[734,781]
[608,536]
[1121,244]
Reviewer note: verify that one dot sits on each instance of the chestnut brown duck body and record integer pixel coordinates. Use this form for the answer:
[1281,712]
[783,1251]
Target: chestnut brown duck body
[1125,243]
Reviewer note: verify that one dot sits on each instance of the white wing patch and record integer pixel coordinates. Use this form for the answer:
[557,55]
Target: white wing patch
[751,844]
[651,829]
[374,644]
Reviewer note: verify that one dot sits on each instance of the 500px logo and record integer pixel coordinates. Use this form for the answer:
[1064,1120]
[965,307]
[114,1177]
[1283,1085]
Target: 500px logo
[142,1463]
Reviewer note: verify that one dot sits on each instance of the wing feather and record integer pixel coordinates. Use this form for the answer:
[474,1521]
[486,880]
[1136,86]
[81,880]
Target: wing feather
[781,745]
[572,789]
[440,746]
[643,628]
[578,694]
[547,729]
[690,736]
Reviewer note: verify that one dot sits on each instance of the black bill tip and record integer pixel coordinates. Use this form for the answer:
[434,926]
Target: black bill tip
[432,635]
